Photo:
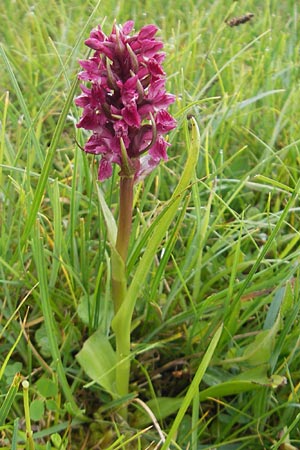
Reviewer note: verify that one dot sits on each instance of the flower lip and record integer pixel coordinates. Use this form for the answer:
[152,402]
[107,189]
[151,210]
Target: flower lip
[125,100]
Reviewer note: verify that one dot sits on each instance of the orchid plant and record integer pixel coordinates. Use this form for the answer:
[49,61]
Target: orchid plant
[124,103]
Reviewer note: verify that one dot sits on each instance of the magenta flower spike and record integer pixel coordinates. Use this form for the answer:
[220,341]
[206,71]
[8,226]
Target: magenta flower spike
[125,101]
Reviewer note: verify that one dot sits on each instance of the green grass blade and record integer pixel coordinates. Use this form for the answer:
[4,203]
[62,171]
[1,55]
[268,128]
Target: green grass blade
[9,398]
[2,135]
[57,233]
[193,388]
[14,440]
[7,358]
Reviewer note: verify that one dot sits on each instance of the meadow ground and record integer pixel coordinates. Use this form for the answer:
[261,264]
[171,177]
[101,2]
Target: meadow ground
[229,259]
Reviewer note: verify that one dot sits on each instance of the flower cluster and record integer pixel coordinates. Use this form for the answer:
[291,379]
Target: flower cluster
[124,100]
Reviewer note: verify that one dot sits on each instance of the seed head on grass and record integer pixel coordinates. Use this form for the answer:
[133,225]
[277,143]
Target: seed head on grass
[124,100]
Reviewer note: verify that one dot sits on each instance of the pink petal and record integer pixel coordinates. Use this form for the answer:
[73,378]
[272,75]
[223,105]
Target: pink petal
[105,170]
[95,44]
[127,27]
[164,121]
[155,68]
[148,31]
[159,150]
[131,115]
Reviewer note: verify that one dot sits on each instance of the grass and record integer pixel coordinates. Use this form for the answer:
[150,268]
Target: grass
[230,258]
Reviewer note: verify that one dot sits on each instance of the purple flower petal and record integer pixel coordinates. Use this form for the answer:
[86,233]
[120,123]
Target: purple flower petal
[127,27]
[148,31]
[164,121]
[159,150]
[130,115]
[155,68]
[105,169]
[93,43]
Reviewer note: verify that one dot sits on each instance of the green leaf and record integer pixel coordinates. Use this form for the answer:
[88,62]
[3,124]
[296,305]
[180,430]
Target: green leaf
[274,309]
[51,405]
[86,304]
[117,264]
[260,351]
[47,387]
[37,409]
[98,360]
[43,340]
[109,219]
[11,370]
[56,440]
[287,301]
[238,385]
[249,380]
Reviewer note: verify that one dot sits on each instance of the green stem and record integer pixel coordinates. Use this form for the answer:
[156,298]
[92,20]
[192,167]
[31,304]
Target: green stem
[119,287]
[29,439]
[123,363]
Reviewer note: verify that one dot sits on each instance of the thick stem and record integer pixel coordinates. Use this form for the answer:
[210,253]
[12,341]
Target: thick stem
[123,367]
[123,236]
[119,287]
[125,216]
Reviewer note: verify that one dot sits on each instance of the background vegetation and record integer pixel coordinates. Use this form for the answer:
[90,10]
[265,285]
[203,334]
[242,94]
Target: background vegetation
[231,256]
